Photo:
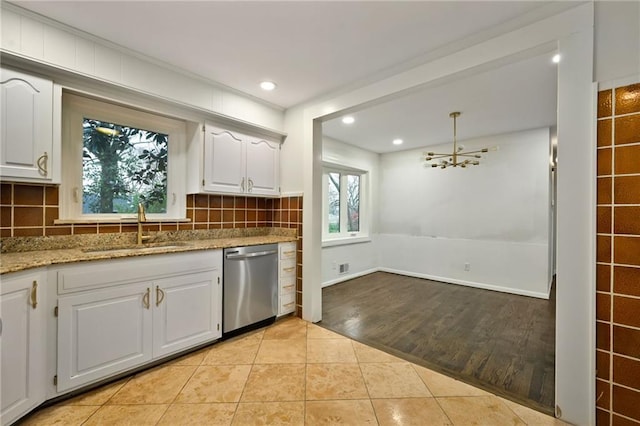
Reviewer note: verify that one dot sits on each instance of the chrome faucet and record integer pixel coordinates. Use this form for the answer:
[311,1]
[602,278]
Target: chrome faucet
[141,218]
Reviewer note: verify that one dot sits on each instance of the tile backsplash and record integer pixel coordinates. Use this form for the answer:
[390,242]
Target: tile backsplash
[618,257]
[30,210]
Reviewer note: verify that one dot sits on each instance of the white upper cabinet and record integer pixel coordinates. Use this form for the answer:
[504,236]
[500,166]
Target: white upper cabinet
[224,161]
[263,167]
[236,163]
[29,128]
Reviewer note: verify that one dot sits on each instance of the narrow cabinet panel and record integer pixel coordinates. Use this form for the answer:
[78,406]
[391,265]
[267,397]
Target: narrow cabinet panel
[287,278]
[22,344]
[102,333]
[186,312]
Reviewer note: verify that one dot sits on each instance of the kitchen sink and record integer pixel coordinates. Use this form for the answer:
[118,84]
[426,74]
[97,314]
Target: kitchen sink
[134,247]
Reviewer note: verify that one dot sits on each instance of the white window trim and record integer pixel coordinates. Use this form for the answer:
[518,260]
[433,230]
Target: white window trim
[343,238]
[74,109]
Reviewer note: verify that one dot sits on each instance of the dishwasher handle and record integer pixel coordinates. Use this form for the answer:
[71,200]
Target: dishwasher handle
[234,255]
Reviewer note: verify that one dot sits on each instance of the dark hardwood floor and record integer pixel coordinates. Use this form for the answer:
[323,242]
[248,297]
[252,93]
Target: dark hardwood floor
[500,342]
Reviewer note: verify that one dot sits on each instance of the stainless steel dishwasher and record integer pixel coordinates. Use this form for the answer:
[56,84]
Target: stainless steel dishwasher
[250,287]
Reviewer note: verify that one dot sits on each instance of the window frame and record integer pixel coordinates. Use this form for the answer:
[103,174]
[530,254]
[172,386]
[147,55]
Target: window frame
[344,237]
[77,107]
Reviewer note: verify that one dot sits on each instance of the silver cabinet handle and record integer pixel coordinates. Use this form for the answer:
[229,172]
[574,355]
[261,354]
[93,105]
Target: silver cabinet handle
[159,295]
[42,164]
[34,294]
[145,298]
[242,185]
[250,186]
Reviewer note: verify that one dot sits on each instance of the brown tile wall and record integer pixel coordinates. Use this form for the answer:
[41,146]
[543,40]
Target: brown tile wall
[30,210]
[618,257]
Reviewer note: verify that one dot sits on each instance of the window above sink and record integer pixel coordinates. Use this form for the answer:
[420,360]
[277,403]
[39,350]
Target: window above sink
[115,157]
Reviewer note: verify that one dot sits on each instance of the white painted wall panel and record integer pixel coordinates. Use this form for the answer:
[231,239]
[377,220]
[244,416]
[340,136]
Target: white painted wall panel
[512,267]
[10,32]
[166,83]
[245,109]
[31,38]
[494,216]
[617,39]
[362,259]
[108,64]
[85,56]
[291,153]
[59,47]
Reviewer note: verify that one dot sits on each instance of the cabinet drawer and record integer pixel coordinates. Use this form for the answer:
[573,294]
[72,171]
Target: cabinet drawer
[107,273]
[287,267]
[287,303]
[288,251]
[288,286]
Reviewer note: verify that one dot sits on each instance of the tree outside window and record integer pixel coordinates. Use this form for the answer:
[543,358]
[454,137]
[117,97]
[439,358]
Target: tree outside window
[122,166]
[343,191]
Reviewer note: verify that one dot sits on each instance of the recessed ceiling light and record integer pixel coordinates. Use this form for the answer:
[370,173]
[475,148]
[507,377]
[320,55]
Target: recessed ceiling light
[268,85]
[556,58]
[397,141]
[348,119]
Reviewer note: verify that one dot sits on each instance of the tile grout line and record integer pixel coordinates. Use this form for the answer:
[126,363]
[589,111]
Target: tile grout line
[612,260]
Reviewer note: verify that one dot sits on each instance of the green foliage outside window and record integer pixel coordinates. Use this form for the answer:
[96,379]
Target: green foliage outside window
[122,166]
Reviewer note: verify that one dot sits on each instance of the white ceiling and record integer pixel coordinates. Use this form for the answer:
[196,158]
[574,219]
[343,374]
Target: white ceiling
[313,48]
[308,48]
[518,96]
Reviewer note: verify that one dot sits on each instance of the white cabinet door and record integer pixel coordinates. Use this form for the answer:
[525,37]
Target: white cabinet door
[26,134]
[103,332]
[22,343]
[187,311]
[224,161]
[263,167]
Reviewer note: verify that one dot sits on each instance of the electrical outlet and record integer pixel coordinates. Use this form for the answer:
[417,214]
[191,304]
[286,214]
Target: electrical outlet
[467,266]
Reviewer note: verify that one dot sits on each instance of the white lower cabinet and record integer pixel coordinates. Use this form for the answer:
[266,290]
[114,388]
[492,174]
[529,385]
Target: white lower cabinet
[287,278]
[109,330]
[103,332]
[186,311]
[22,343]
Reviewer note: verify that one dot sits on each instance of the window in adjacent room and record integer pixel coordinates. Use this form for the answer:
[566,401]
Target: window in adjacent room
[344,215]
[115,157]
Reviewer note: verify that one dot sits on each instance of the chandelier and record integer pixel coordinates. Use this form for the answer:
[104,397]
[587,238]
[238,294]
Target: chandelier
[459,158]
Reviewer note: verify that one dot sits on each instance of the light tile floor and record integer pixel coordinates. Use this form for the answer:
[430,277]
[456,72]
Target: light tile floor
[291,373]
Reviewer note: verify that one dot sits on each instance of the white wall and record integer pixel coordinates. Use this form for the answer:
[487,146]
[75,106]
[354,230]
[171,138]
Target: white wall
[493,216]
[41,40]
[361,257]
[617,39]
[292,153]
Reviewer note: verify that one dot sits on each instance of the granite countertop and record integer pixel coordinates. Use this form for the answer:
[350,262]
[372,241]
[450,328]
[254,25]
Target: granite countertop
[21,253]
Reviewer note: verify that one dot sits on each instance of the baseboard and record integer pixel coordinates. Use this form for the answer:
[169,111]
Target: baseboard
[349,277]
[475,284]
